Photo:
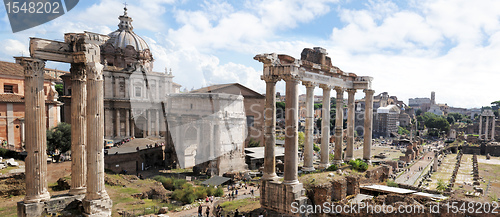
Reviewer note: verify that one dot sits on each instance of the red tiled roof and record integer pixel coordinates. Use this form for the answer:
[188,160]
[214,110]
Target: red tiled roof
[9,97]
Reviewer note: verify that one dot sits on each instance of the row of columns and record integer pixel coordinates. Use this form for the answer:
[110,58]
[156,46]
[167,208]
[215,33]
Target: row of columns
[291,128]
[487,124]
[130,127]
[87,131]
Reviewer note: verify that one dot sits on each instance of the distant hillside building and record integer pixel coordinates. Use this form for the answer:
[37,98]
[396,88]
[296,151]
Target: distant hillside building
[12,104]
[386,121]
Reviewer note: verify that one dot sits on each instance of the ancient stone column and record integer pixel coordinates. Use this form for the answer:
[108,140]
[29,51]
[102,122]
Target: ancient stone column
[117,122]
[157,122]
[36,140]
[325,127]
[480,126]
[78,129]
[339,125]
[96,202]
[435,166]
[493,128]
[349,152]
[291,130]
[486,127]
[308,147]
[149,123]
[367,144]
[127,123]
[270,128]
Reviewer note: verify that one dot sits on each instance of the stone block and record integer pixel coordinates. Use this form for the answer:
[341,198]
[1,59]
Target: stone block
[30,209]
[97,208]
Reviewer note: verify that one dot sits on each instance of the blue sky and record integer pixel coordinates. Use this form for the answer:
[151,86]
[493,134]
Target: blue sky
[410,47]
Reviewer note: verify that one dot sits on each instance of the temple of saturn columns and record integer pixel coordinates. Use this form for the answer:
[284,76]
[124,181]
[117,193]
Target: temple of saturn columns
[489,124]
[313,69]
[82,51]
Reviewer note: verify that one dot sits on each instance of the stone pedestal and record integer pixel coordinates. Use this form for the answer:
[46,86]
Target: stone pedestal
[367,143]
[36,139]
[54,205]
[78,129]
[270,128]
[325,128]
[349,152]
[278,197]
[97,208]
[308,146]
[339,126]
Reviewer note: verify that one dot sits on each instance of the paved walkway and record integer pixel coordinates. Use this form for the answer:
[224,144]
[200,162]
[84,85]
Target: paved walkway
[194,211]
[411,176]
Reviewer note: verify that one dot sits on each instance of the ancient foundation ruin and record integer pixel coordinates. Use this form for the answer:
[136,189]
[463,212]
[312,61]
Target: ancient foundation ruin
[313,69]
[82,51]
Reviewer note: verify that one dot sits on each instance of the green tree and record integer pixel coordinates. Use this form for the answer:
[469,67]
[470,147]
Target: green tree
[450,119]
[318,106]
[302,138]
[280,109]
[402,131]
[418,112]
[59,138]
[496,103]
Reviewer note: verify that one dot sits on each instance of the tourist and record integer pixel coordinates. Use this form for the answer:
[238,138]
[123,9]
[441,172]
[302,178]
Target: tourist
[236,192]
[251,191]
[236,213]
[200,211]
[207,211]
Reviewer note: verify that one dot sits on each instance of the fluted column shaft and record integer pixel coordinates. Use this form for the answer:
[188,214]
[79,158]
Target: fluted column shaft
[157,122]
[95,133]
[493,128]
[36,140]
[149,124]
[270,129]
[308,147]
[127,123]
[367,143]
[325,128]
[349,153]
[291,130]
[117,122]
[480,126]
[339,125]
[486,127]
[78,129]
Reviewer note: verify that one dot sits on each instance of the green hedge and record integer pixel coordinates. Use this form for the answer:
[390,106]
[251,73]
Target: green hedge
[358,165]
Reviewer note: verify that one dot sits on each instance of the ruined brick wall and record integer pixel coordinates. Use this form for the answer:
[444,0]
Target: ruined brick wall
[378,174]
[493,149]
[319,194]
[471,149]
[339,190]
[352,185]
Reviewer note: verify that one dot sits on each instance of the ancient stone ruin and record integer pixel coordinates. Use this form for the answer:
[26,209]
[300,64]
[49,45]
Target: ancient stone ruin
[82,51]
[313,69]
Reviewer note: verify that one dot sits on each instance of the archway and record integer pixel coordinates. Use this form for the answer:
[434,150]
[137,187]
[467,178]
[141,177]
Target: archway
[139,127]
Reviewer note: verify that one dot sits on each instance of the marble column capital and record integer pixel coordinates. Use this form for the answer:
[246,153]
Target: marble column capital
[291,78]
[325,87]
[78,72]
[94,71]
[351,90]
[369,91]
[309,84]
[339,89]
[32,67]
[270,78]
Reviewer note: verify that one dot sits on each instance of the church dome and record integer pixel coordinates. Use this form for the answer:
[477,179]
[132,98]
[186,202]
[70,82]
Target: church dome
[125,35]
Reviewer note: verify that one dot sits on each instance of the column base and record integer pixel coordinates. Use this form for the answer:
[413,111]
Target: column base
[291,182]
[337,162]
[368,161]
[77,191]
[308,169]
[37,198]
[347,159]
[97,208]
[323,166]
[54,205]
[270,177]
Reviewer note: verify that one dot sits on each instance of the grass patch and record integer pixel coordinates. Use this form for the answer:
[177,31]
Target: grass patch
[237,204]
